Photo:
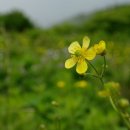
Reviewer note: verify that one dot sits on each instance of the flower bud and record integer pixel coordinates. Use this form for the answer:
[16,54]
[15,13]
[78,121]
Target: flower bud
[100,48]
[103,93]
[123,103]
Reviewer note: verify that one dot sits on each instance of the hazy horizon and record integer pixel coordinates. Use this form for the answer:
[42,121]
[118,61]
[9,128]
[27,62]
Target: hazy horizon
[48,13]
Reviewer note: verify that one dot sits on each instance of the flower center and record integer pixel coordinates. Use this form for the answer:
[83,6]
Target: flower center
[78,53]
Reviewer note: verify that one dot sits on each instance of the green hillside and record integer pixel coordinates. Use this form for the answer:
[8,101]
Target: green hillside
[110,20]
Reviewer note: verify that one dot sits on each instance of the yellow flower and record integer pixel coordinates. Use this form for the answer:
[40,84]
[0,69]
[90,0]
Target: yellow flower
[61,84]
[79,55]
[113,86]
[55,103]
[123,103]
[103,93]
[100,48]
[81,84]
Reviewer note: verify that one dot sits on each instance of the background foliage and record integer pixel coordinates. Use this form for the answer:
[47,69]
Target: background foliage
[37,92]
[15,21]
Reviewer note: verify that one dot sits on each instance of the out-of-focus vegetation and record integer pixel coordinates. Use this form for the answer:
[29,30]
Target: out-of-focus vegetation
[37,92]
[15,21]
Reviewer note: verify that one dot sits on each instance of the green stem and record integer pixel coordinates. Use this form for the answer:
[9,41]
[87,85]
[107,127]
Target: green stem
[102,82]
[96,76]
[93,68]
[127,121]
[114,105]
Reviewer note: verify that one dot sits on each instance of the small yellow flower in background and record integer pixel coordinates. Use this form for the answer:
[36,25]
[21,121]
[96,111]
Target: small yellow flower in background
[79,55]
[100,48]
[112,85]
[110,88]
[103,93]
[116,85]
[81,84]
[123,103]
[61,84]
[55,103]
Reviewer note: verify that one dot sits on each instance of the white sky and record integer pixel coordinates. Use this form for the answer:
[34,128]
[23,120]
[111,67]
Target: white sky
[50,12]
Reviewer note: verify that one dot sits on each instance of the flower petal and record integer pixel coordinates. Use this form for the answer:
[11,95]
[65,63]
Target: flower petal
[81,67]
[74,46]
[90,54]
[86,42]
[102,44]
[100,48]
[70,62]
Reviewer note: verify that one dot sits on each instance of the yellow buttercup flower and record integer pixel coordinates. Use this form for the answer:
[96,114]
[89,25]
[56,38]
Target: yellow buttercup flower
[79,55]
[103,93]
[123,103]
[81,84]
[100,48]
[60,84]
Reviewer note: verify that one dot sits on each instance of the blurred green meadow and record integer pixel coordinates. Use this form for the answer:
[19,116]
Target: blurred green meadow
[38,93]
